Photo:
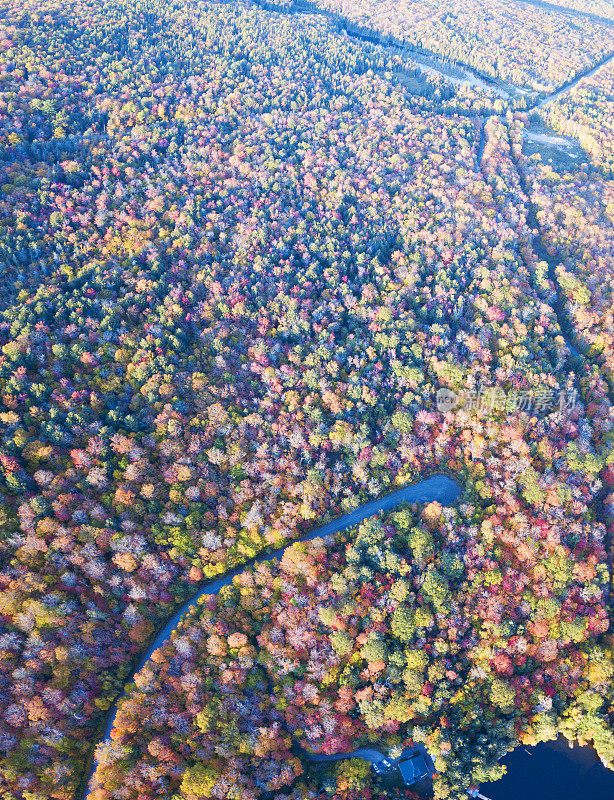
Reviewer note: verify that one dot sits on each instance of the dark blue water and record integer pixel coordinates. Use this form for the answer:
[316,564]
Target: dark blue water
[552,771]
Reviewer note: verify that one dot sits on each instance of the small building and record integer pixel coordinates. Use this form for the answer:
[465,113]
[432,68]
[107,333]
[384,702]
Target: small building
[413,768]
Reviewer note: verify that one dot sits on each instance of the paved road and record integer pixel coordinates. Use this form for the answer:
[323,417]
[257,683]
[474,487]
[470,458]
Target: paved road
[368,753]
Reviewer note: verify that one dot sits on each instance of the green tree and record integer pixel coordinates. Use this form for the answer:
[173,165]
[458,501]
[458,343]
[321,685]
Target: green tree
[198,781]
[403,624]
[435,588]
[421,543]
[502,694]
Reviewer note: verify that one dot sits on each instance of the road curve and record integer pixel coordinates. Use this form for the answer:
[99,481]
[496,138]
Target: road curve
[439,487]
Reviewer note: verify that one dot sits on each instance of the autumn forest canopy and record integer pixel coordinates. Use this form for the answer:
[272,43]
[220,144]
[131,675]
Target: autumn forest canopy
[245,251]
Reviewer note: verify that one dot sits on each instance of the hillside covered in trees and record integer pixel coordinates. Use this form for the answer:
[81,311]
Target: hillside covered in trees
[529,44]
[244,256]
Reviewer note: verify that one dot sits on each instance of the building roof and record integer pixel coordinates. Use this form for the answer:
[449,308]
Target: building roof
[413,769]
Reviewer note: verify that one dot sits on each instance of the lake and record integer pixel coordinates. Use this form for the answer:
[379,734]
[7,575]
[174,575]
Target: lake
[552,771]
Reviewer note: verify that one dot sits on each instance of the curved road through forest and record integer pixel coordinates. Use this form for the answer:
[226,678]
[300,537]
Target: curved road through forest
[438,487]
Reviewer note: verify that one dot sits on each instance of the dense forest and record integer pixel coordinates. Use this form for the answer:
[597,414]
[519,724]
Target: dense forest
[524,43]
[242,255]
